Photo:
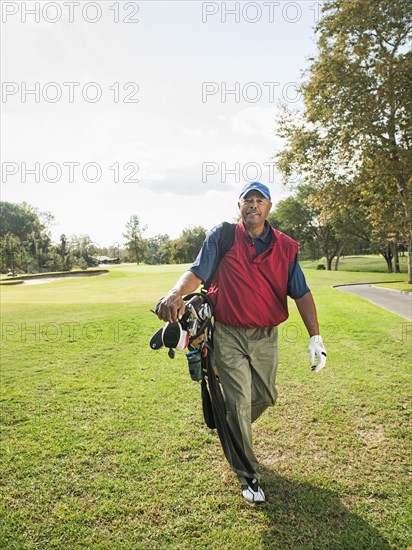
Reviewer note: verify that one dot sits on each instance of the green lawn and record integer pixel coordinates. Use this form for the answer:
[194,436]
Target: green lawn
[103,443]
[368,263]
[405,287]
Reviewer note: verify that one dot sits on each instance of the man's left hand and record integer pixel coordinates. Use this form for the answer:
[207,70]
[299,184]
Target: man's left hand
[316,348]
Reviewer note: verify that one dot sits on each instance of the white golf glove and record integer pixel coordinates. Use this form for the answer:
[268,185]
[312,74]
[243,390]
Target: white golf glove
[317,348]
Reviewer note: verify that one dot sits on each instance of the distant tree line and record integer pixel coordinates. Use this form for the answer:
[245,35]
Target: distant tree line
[26,245]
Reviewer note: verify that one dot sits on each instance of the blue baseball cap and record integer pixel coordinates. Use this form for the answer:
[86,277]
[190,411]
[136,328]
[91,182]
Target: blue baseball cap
[255,186]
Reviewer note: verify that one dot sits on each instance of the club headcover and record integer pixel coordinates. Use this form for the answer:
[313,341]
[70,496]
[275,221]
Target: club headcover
[156,341]
[174,336]
[171,335]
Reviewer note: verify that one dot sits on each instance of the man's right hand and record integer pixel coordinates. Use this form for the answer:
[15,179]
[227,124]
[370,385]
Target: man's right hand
[171,307]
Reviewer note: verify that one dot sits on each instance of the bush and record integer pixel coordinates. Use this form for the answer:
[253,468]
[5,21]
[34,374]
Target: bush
[32,266]
[79,263]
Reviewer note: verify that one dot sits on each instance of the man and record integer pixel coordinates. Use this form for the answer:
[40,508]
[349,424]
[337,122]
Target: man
[249,290]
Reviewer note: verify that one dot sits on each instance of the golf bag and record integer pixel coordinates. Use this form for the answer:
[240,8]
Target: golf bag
[195,332]
[214,414]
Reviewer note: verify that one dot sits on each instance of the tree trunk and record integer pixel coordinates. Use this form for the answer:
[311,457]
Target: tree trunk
[329,260]
[338,254]
[389,264]
[394,246]
[387,254]
[398,168]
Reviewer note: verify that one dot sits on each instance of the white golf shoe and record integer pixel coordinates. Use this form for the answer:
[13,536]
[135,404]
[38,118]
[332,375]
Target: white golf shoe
[253,492]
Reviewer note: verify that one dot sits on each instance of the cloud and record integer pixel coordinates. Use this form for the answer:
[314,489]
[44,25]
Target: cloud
[255,121]
[193,132]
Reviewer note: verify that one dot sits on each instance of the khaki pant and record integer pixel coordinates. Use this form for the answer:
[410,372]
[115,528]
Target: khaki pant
[246,361]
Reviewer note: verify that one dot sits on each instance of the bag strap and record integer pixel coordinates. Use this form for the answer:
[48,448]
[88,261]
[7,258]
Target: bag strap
[226,240]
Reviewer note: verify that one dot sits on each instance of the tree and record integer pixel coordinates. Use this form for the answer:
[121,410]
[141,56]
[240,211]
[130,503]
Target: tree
[156,250]
[77,252]
[299,217]
[12,254]
[18,220]
[186,247]
[25,223]
[135,244]
[358,94]
[64,252]
[350,228]
[293,217]
[54,260]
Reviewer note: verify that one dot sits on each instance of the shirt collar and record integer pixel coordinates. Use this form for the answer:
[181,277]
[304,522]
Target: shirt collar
[266,235]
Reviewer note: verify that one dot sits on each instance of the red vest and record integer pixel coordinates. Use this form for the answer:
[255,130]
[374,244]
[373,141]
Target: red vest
[250,291]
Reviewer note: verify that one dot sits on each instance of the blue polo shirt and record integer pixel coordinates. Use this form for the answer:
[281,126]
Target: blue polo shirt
[206,261]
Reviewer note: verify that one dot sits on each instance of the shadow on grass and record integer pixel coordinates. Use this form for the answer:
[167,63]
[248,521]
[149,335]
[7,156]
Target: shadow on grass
[301,515]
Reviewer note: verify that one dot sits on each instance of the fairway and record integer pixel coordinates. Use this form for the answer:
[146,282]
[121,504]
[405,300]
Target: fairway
[104,445]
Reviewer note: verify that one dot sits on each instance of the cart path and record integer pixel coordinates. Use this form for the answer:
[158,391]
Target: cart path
[395,301]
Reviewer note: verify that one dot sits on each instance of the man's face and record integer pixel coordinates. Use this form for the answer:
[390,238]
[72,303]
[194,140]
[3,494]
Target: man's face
[254,208]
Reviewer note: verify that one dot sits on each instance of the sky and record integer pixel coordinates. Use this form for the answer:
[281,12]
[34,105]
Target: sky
[163,109]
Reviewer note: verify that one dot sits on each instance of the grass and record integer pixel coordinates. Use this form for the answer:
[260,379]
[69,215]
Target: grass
[103,443]
[405,287]
[372,263]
